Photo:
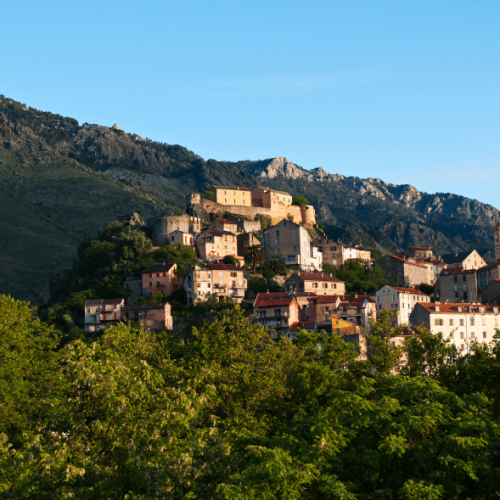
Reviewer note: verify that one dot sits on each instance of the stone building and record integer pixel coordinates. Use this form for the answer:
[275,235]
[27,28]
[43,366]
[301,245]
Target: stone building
[486,274]
[226,195]
[458,285]
[277,311]
[491,293]
[291,241]
[496,239]
[418,253]
[465,260]
[162,226]
[317,283]
[336,253]
[245,225]
[404,272]
[462,323]
[224,225]
[178,236]
[244,240]
[152,317]
[101,313]
[218,280]
[214,245]
[402,299]
[265,197]
[160,277]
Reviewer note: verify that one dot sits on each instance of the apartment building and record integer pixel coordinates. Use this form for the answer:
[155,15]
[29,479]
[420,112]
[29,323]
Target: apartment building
[317,283]
[402,299]
[276,311]
[292,242]
[462,323]
[160,277]
[218,280]
[457,284]
[101,313]
[214,245]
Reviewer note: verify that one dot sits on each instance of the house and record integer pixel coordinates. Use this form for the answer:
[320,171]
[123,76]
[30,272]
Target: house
[486,274]
[457,284]
[160,277]
[224,225]
[161,227]
[277,311]
[402,299]
[336,254]
[244,240]
[462,323]
[465,260]
[181,237]
[216,244]
[225,195]
[218,280]
[357,309]
[101,313]
[406,273]
[317,283]
[418,253]
[268,198]
[244,225]
[342,327]
[291,241]
[153,317]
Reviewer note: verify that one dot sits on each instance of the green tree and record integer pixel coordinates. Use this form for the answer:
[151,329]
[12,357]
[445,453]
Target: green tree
[300,200]
[255,255]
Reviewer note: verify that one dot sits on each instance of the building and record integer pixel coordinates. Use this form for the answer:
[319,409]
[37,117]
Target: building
[462,323]
[244,240]
[418,253]
[360,310]
[183,238]
[402,299]
[216,244]
[225,195]
[152,317]
[491,293]
[160,277]
[336,254]
[465,260]
[486,274]
[276,311]
[218,280]
[162,226]
[317,283]
[292,242]
[267,198]
[457,284]
[496,239]
[342,327]
[224,225]
[404,272]
[245,225]
[101,313]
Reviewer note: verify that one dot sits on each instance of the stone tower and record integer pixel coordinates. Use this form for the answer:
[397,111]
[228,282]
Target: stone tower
[496,236]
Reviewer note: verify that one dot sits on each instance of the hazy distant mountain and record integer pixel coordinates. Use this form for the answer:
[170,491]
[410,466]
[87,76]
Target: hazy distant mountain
[61,181]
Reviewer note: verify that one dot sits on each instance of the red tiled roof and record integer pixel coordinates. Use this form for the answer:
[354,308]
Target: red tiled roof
[226,221]
[304,294]
[456,270]
[356,299]
[324,299]
[273,299]
[224,267]
[411,291]
[419,248]
[302,325]
[407,261]
[449,307]
[319,277]
[489,266]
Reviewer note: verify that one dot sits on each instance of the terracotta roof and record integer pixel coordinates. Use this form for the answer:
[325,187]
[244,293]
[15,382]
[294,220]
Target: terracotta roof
[449,307]
[302,325]
[224,267]
[410,291]
[356,299]
[318,277]
[406,261]
[226,221]
[419,248]
[489,266]
[273,299]
[304,294]
[272,190]
[324,299]
[456,270]
[160,267]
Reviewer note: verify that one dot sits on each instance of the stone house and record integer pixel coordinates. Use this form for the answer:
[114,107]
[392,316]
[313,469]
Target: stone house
[405,272]
[403,299]
[491,293]
[162,226]
[458,285]
[358,309]
[486,274]
[267,198]
[225,195]
[277,311]
[462,323]
[186,239]
[465,260]
[101,313]
[317,283]
[291,241]
[216,244]
[336,253]
[153,317]
[244,240]
[219,280]
[160,277]
[245,225]
[224,225]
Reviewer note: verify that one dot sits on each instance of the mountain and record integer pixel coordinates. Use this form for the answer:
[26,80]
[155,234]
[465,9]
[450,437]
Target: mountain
[61,181]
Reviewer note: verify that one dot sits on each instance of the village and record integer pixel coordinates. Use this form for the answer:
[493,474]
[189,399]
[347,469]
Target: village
[232,228]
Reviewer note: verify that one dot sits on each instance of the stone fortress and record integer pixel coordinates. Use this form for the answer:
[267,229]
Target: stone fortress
[277,205]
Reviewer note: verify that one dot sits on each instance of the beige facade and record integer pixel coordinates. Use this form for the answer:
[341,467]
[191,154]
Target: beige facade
[462,323]
[317,283]
[101,313]
[224,195]
[465,260]
[152,317]
[458,285]
[224,225]
[419,253]
[218,280]
[186,239]
[214,245]
[402,299]
[265,197]
[337,254]
[160,277]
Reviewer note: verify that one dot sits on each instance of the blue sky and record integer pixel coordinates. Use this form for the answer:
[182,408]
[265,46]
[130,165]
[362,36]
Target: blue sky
[408,92]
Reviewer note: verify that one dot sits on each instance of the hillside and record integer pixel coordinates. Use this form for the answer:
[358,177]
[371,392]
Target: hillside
[61,181]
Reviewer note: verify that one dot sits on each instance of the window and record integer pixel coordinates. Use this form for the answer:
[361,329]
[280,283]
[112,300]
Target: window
[277,313]
[378,299]
[394,298]
[455,278]
[315,285]
[438,322]
[451,322]
[464,278]
[462,335]
[461,322]
[484,335]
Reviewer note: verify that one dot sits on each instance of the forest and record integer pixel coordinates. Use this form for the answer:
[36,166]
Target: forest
[232,414]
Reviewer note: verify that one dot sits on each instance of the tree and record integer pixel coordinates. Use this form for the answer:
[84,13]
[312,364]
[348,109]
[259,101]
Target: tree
[277,264]
[230,259]
[300,200]
[255,255]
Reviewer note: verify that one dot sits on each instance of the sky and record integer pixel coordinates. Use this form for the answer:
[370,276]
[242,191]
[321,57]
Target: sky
[408,92]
